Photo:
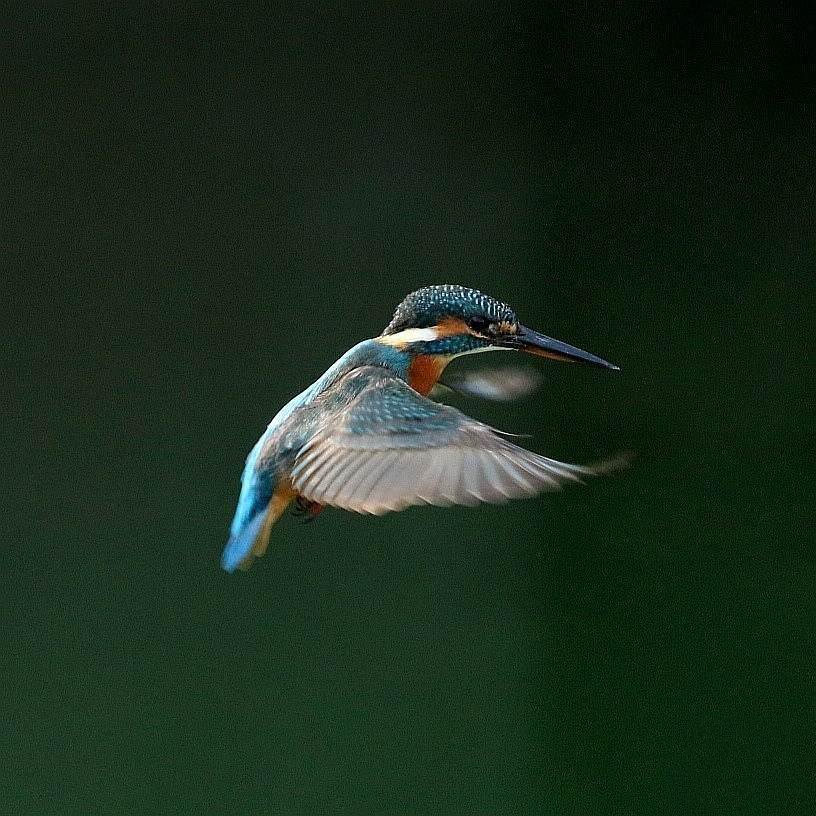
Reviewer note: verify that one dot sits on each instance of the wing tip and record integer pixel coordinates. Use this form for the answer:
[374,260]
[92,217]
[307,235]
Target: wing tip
[620,461]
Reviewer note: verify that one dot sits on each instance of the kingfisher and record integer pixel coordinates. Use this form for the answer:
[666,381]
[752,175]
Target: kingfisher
[368,437]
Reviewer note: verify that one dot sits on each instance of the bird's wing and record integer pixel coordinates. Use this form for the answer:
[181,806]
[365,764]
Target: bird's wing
[390,448]
[496,384]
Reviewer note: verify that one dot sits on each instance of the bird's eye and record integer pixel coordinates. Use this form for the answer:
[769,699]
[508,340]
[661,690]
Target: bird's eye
[481,325]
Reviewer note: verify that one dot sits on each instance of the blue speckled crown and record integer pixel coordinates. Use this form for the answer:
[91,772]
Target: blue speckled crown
[427,306]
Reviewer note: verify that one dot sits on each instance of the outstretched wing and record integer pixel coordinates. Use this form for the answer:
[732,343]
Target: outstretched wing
[390,448]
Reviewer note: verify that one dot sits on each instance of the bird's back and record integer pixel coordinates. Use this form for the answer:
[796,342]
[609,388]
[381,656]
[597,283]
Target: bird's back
[289,431]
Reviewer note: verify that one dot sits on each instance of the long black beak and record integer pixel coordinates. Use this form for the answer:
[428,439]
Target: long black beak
[540,345]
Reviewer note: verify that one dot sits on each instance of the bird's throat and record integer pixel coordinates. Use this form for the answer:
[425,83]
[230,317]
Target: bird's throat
[425,370]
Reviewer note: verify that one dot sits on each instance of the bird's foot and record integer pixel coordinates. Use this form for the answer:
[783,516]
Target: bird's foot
[306,510]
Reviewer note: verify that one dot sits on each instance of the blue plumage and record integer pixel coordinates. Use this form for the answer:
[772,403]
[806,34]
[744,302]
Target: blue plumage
[239,547]
[256,491]
[428,306]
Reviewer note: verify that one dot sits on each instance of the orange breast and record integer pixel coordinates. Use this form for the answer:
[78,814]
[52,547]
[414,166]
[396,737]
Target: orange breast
[425,370]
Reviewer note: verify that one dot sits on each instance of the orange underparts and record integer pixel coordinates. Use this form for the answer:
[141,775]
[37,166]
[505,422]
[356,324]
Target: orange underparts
[425,370]
[281,499]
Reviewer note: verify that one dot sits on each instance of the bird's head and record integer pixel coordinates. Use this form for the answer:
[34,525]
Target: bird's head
[447,321]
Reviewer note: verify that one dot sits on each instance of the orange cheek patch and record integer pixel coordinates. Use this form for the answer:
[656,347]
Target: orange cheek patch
[449,326]
[425,370]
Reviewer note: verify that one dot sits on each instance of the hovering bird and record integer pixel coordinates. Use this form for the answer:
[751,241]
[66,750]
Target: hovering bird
[366,436]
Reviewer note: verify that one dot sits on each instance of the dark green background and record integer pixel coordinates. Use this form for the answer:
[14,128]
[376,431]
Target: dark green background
[204,207]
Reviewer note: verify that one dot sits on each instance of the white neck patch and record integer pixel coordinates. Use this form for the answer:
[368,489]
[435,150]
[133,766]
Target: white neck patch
[406,336]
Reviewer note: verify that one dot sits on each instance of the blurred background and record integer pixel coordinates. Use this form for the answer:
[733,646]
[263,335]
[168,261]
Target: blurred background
[205,205]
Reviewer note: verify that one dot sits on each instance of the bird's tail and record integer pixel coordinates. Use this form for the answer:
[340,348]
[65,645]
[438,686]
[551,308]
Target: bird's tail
[251,540]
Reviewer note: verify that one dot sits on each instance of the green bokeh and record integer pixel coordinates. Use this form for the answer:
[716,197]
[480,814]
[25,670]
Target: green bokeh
[206,208]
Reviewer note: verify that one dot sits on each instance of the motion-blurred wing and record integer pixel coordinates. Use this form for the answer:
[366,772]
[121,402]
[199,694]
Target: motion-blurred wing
[496,384]
[390,448]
